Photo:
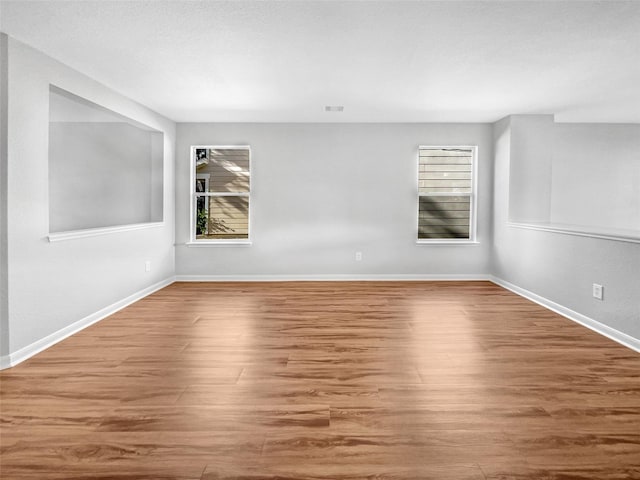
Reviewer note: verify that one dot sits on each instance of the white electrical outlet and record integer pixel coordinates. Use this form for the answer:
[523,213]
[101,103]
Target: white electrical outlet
[358,256]
[147,266]
[598,291]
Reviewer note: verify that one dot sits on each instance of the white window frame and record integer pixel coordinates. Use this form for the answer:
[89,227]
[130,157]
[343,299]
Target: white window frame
[194,195]
[473,207]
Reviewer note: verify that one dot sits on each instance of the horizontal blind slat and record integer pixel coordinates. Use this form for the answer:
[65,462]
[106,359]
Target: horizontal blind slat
[442,236]
[445,160]
[429,214]
[435,199]
[445,168]
[453,190]
[446,183]
[445,152]
[445,175]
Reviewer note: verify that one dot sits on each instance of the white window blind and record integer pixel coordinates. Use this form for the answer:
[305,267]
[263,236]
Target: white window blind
[446,193]
[221,185]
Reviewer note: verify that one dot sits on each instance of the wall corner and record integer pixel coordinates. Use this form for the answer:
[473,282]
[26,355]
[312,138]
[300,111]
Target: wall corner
[4,260]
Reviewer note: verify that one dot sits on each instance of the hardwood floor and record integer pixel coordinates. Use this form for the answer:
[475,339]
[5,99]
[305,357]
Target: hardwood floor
[362,380]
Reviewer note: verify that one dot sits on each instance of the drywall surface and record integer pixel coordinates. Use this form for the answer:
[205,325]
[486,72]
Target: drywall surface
[87,188]
[530,171]
[321,192]
[53,285]
[500,192]
[560,267]
[4,314]
[596,175]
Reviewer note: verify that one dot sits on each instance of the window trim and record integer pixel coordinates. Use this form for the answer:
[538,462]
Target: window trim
[193,199]
[473,200]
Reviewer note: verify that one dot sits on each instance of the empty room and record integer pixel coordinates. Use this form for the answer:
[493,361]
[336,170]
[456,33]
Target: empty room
[328,239]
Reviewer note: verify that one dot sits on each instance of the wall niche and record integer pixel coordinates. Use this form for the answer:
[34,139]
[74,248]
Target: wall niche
[580,178]
[105,169]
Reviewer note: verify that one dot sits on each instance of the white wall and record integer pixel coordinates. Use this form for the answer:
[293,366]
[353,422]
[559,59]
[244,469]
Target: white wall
[560,267]
[596,175]
[531,164]
[4,315]
[53,285]
[321,192]
[87,188]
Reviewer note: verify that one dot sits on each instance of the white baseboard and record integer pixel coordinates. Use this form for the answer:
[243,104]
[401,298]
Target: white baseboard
[38,346]
[330,278]
[590,323]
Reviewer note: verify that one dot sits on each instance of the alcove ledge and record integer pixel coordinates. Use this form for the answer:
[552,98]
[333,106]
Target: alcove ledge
[616,234]
[93,232]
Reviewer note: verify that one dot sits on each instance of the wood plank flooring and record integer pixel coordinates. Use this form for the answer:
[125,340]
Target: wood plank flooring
[343,380]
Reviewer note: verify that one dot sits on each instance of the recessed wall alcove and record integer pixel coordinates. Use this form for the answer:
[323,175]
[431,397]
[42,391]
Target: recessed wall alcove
[105,170]
[581,178]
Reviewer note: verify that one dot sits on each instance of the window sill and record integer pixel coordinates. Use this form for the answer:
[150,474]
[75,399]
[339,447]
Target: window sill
[219,243]
[448,242]
[620,235]
[94,232]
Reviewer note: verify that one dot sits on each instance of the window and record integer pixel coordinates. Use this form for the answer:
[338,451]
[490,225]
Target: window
[446,194]
[220,187]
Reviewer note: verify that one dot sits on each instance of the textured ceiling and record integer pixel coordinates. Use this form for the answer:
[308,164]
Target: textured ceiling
[390,61]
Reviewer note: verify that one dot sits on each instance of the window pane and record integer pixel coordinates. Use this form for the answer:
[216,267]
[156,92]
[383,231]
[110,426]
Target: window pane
[222,217]
[222,170]
[445,170]
[444,217]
